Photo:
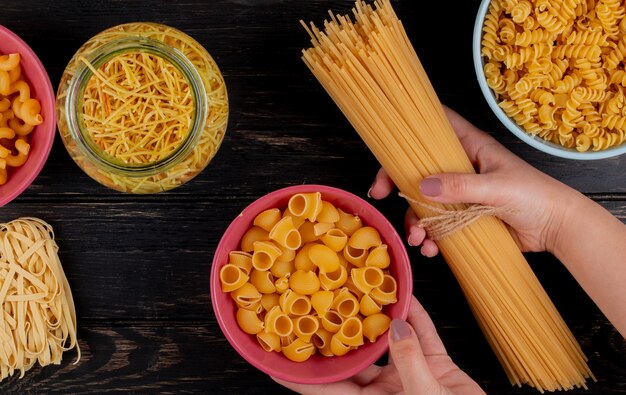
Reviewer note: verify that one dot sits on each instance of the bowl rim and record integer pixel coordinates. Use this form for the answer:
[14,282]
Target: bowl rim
[257,204]
[47,139]
[533,141]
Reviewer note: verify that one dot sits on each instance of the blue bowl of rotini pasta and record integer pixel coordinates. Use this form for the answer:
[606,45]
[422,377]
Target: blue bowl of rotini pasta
[27,116]
[555,77]
[299,316]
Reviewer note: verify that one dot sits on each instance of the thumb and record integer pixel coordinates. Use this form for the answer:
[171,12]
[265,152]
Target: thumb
[409,360]
[458,188]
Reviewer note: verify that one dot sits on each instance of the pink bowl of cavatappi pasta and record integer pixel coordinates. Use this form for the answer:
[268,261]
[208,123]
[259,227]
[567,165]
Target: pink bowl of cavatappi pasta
[42,136]
[318,368]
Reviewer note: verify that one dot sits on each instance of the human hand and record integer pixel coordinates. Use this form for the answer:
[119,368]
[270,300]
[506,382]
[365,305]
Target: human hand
[418,364]
[534,204]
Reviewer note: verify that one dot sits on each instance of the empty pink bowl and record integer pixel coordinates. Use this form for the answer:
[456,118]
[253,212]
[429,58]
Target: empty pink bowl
[318,369]
[42,136]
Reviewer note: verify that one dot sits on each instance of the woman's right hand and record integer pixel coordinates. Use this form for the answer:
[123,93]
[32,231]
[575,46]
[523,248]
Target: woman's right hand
[534,204]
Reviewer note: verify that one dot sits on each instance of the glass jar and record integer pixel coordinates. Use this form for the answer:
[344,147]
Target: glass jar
[207,120]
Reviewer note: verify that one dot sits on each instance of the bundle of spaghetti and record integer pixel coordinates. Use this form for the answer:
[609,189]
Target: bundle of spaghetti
[37,319]
[370,69]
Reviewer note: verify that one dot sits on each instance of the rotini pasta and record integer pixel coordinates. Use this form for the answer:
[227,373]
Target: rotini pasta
[306,278]
[563,57]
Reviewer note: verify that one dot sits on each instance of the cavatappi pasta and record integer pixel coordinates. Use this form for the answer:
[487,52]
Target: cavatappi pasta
[297,291]
[370,69]
[19,114]
[37,319]
[141,110]
[557,69]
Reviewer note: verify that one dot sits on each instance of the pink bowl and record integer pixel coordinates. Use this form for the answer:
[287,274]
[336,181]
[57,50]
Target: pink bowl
[42,136]
[318,369]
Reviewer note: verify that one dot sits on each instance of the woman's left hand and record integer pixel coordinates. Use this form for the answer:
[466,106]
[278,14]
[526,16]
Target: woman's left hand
[418,364]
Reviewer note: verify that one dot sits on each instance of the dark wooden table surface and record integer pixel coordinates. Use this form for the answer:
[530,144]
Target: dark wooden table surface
[139,265]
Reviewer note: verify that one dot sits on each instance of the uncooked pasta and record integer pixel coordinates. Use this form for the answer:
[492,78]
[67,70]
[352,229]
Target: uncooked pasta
[370,69]
[38,319]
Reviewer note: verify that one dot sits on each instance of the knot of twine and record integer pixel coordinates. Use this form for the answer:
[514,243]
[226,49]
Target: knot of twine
[447,222]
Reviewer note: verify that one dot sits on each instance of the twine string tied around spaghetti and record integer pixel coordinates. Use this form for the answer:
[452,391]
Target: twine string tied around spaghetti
[447,222]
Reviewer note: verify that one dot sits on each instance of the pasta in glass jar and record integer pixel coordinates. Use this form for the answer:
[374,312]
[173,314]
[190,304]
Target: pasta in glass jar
[142,108]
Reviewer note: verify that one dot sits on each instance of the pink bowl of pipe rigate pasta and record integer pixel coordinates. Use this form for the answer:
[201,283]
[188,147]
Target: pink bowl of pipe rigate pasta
[27,116]
[305,282]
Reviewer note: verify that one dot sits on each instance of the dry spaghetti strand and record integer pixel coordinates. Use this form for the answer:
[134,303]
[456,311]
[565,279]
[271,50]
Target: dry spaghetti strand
[370,69]
[37,319]
[137,107]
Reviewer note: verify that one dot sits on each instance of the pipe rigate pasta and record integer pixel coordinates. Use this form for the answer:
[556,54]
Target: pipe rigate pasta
[306,205]
[375,325]
[269,341]
[378,257]
[249,321]
[351,332]
[267,219]
[278,322]
[337,347]
[286,234]
[386,293]
[321,340]
[303,260]
[355,256]
[331,321]
[322,301]
[332,280]
[329,213]
[247,297]
[282,268]
[263,281]
[232,277]
[299,350]
[345,303]
[269,300]
[304,282]
[348,223]
[324,258]
[367,278]
[293,303]
[335,239]
[253,234]
[294,279]
[365,238]
[305,327]
[264,255]
[369,306]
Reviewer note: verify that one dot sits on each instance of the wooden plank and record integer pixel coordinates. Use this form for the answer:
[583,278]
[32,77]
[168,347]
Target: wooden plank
[163,358]
[152,259]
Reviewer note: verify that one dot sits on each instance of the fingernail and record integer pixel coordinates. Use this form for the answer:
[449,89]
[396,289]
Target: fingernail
[369,195]
[413,240]
[430,186]
[400,330]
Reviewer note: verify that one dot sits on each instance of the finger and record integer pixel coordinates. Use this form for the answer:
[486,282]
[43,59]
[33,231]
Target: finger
[472,138]
[409,359]
[429,248]
[382,185]
[425,329]
[366,376]
[460,188]
[339,388]
[414,234]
